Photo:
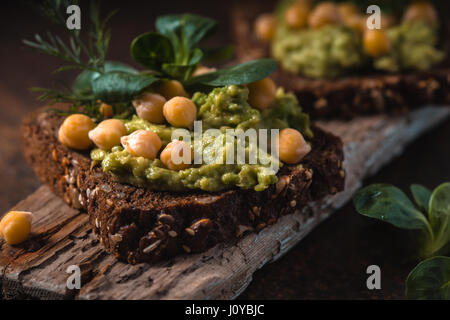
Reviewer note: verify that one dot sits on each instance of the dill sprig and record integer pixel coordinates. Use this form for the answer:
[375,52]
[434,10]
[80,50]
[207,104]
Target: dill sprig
[63,95]
[77,54]
[77,102]
[89,55]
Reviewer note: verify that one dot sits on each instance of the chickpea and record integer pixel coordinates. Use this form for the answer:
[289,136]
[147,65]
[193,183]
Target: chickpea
[108,133]
[149,107]
[265,26]
[106,110]
[292,146]
[421,10]
[177,155]
[74,132]
[180,112]
[324,14]
[15,226]
[351,16]
[306,3]
[376,42]
[348,10]
[356,22]
[172,88]
[387,20]
[202,70]
[262,93]
[296,16]
[142,143]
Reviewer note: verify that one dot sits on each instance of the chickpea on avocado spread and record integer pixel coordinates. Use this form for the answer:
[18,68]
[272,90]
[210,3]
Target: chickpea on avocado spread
[324,39]
[140,126]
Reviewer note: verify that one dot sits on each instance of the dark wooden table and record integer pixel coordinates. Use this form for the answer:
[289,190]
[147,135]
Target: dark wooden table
[330,263]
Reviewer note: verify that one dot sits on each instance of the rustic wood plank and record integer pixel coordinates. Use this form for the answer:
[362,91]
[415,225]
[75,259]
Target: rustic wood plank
[62,236]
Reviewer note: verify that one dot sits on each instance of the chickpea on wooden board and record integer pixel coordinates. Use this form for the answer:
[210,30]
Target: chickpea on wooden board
[15,226]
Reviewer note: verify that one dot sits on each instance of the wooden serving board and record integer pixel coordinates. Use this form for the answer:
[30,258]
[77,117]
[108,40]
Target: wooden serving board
[62,236]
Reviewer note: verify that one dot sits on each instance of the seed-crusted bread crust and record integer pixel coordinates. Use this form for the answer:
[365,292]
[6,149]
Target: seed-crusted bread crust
[139,225]
[347,96]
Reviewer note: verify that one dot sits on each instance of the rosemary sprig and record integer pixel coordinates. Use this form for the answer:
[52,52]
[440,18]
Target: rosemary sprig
[89,55]
[77,102]
[80,103]
[77,54]
[64,95]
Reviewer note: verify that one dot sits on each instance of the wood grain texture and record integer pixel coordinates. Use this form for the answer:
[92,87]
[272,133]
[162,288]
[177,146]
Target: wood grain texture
[62,236]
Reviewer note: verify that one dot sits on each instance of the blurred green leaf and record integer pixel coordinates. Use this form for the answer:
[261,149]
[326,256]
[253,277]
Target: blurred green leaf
[388,203]
[439,217]
[421,196]
[430,280]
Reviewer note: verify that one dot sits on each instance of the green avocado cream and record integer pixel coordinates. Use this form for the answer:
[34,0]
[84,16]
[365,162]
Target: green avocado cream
[413,48]
[222,108]
[317,53]
[335,50]
[226,107]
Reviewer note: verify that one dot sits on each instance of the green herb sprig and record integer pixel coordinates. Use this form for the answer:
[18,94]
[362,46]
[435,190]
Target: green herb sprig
[77,54]
[431,216]
[173,52]
[88,55]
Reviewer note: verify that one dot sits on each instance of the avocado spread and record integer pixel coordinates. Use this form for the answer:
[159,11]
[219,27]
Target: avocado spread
[222,109]
[326,52]
[335,50]
[413,48]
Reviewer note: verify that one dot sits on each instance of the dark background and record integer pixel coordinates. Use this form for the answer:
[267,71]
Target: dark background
[330,263]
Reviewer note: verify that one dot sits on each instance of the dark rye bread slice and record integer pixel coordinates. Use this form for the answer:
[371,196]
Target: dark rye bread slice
[347,96]
[139,225]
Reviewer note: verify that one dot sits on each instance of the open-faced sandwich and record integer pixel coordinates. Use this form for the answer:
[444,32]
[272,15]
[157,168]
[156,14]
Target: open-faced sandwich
[346,58]
[173,158]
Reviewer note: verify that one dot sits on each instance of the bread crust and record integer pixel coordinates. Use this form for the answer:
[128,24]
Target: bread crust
[347,96]
[140,225]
